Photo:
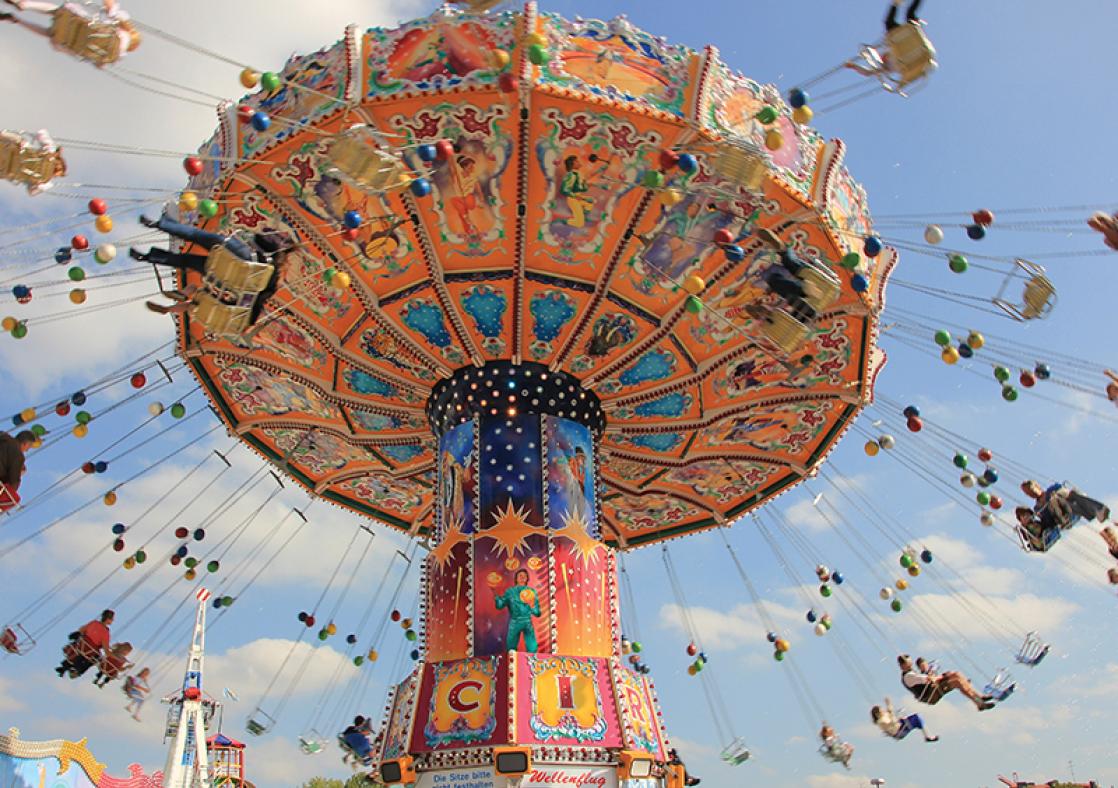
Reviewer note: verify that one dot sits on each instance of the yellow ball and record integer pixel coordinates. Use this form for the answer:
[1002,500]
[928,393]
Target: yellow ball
[802,115]
[782,645]
[949,355]
[975,340]
[27,414]
[534,39]
[104,223]
[671,197]
[902,584]
[500,58]
[188,201]
[914,570]
[8,323]
[694,284]
[77,296]
[37,443]
[250,78]
[129,562]
[190,574]
[110,498]
[872,448]
[80,430]
[774,140]
[331,629]
[340,281]
[372,655]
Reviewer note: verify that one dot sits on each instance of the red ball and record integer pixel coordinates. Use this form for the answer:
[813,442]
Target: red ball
[508,82]
[139,380]
[1028,379]
[182,532]
[444,149]
[350,234]
[985,455]
[915,424]
[309,622]
[245,113]
[723,237]
[79,242]
[983,217]
[692,650]
[175,560]
[192,165]
[98,207]
[395,615]
[62,408]
[668,159]
[118,545]
[996,502]
[88,467]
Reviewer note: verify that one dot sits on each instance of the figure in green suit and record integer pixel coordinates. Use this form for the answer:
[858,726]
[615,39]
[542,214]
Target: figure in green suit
[523,604]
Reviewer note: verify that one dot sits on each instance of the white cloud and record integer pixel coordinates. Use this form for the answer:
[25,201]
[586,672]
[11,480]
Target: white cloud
[8,701]
[723,630]
[806,516]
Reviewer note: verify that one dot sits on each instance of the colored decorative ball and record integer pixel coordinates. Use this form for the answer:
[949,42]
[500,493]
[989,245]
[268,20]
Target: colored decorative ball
[420,187]
[426,152]
[933,234]
[182,532]
[723,236]
[778,656]
[694,284]
[193,165]
[767,114]
[968,480]
[910,411]
[960,460]
[79,242]
[964,350]
[118,528]
[733,253]
[97,206]
[820,630]
[811,616]
[322,634]
[349,234]
[105,253]
[80,431]
[414,654]
[39,430]
[1001,374]
[926,556]
[942,338]
[83,417]
[975,340]
[100,466]
[138,380]
[996,502]
[341,281]
[405,624]
[949,355]
[1028,379]
[825,590]
[261,121]
[872,246]
[110,498]
[1042,372]
[914,570]
[19,331]
[103,224]
[694,305]
[410,635]
[118,545]
[782,644]
[444,149]
[837,578]
[774,140]
[352,219]
[190,574]
[89,467]
[207,208]
[199,534]
[302,616]
[958,263]
[637,647]
[359,660]
[191,562]
[1009,393]
[986,519]
[309,621]
[178,410]
[250,78]
[501,58]
[985,455]
[175,560]
[797,98]
[668,159]
[905,560]
[76,273]
[983,498]
[156,409]
[885,593]
[990,475]
[687,162]
[217,602]
[859,283]
[141,556]
[915,424]
[538,54]
[976,232]
[670,197]
[771,637]
[802,115]
[872,448]
[983,217]
[245,113]
[508,82]
[129,563]
[8,323]
[351,639]
[213,566]
[534,38]
[652,179]
[188,201]
[896,605]
[64,255]
[887,442]
[269,80]
[851,260]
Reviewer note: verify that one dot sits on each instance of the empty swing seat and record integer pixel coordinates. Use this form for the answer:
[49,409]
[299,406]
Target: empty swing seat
[736,753]
[824,283]
[353,156]
[785,331]
[742,163]
[911,53]
[87,38]
[1039,298]
[259,723]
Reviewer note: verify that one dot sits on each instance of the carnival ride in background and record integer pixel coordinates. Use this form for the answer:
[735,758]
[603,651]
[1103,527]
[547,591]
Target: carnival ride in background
[535,293]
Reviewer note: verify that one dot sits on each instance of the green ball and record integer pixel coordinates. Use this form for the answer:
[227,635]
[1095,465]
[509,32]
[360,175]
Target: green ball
[19,330]
[767,115]
[226,601]
[76,273]
[778,656]
[269,80]
[636,647]
[359,660]
[906,560]
[410,634]
[698,665]
[694,305]
[1001,374]
[1009,394]
[825,590]
[83,417]
[207,208]
[39,429]
[653,179]
[213,566]
[896,605]
[178,410]
[328,274]
[140,556]
[538,54]
[983,498]
[851,260]
[322,634]
[958,263]
[960,461]
[191,562]
[943,338]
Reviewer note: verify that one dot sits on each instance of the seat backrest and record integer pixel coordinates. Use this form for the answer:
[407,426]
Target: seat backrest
[827,287]
[912,54]
[369,167]
[11,144]
[1037,297]
[235,273]
[87,38]
[219,318]
[741,165]
[785,331]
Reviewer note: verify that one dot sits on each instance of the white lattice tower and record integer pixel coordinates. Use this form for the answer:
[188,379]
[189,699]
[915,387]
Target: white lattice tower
[188,760]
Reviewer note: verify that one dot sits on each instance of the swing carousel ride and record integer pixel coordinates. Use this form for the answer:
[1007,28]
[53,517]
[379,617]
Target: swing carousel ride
[536,292]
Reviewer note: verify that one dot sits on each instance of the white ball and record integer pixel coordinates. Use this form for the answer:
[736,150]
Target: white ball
[968,479]
[885,593]
[986,519]
[156,409]
[106,252]
[933,234]
[886,442]
[820,630]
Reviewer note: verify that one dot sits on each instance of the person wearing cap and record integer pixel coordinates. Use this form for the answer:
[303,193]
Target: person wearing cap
[12,465]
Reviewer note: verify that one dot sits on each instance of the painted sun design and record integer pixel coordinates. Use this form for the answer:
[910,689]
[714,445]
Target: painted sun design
[511,530]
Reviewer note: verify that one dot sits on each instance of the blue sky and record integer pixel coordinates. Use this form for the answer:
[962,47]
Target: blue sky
[1020,115]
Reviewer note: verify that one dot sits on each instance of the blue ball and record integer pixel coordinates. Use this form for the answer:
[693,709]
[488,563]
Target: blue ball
[182,551]
[78,399]
[261,121]
[990,475]
[771,637]
[427,152]
[100,466]
[64,255]
[859,283]
[414,654]
[687,162]
[118,529]
[352,219]
[926,556]
[797,98]
[837,578]
[976,232]
[217,602]
[17,419]
[199,534]
[872,246]
[912,412]
[351,639]
[811,616]
[734,253]
[420,187]
[1042,371]
[965,350]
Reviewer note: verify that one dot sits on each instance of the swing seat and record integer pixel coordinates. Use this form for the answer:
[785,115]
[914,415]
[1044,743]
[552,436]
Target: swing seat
[1032,651]
[16,640]
[824,283]
[312,743]
[259,723]
[218,318]
[353,157]
[84,37]
[837,752]
[785,331]
[9,498]
[227,271]
[736,753]
[1000,687]
[113,669]
[743,164]
[911,54]
[1038,299]
[24,162]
